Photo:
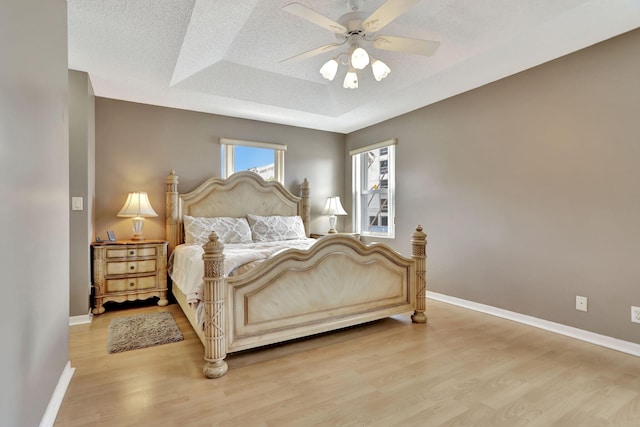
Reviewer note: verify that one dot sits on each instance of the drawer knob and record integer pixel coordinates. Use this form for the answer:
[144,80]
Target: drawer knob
[131,284]
[131,252]
[132,267]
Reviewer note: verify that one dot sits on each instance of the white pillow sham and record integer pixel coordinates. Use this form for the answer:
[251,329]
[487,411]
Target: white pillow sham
[274,228]
[230,230]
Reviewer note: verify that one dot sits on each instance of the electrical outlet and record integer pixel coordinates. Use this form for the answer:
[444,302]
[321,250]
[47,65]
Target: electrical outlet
[635,314]
[581,303]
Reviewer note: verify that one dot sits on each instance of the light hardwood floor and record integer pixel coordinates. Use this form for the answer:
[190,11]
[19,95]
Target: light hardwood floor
[463,369]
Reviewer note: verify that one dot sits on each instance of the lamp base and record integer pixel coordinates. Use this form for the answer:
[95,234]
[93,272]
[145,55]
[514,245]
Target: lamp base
[138,223]
[332,224]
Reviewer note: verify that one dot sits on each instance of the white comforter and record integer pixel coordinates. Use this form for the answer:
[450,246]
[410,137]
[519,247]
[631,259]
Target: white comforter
[186,267]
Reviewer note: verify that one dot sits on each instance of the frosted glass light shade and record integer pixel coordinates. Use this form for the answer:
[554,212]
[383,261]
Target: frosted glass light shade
[380,69]
[350,80]
[329,69]
[359,58]
[137,207]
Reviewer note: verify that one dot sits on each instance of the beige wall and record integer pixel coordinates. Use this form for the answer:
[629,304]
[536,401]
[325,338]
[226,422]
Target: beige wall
[137,145]
[34,213]
[529,188]
[81,184]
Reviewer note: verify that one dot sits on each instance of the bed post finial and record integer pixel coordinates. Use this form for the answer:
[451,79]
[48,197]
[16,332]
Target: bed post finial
[215,346]
[419,254]
[305,193]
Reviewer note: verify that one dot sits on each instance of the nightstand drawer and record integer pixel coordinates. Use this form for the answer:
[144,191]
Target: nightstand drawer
[131,267]
[130,284]
[132,252]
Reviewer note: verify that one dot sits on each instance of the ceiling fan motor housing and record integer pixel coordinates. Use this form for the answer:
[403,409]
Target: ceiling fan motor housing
[353,22]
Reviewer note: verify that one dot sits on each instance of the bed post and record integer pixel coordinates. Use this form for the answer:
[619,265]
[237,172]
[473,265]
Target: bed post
[215,346]
[172,225]
[419,254]
[306,207]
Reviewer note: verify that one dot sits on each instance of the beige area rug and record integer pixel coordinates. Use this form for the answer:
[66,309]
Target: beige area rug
[142,331]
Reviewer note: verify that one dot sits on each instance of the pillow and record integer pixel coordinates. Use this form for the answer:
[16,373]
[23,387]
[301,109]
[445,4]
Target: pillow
[230,230]
[274,228]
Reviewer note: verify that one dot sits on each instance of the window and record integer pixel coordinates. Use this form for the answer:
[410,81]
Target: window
[373,189]
[265,159]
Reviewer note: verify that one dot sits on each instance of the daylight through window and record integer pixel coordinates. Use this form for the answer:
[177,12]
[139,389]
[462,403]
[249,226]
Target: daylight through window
[263,158]
[373,189]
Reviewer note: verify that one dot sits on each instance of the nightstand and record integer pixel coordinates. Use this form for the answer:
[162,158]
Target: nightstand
[129,271]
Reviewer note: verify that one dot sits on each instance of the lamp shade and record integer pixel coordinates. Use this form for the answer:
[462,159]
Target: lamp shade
[137,205]
[350,80]
[329,69]
[359,58]
[333,207]
[380,69]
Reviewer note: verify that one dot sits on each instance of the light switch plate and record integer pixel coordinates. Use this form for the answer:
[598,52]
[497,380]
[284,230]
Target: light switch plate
[76,204]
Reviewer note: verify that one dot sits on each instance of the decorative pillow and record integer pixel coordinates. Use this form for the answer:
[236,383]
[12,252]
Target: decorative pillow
[274,228]
[230,230]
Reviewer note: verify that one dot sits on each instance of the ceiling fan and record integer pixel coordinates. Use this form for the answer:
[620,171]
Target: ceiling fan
[355,30]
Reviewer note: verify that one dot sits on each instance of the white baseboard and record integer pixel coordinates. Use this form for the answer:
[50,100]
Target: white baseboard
[590,337]
[80,320]
[50,414]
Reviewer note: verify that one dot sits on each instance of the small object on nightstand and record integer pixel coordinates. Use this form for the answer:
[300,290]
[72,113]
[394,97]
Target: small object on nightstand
[129,271]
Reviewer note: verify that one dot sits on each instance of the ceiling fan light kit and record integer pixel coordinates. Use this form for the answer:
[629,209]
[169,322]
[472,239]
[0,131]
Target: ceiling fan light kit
[355,29]
[379,69]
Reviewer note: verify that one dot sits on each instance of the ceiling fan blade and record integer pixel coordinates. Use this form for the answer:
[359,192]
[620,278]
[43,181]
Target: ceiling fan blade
[314,17]
[386,13]
[313,52]
[405,44]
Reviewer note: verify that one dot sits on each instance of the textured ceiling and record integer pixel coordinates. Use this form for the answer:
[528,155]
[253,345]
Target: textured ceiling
[224,56]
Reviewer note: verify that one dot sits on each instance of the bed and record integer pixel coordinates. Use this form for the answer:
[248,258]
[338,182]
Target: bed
[335,282]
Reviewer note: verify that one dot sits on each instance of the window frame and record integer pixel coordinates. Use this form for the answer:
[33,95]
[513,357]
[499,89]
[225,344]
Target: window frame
[227,154]
[359,178]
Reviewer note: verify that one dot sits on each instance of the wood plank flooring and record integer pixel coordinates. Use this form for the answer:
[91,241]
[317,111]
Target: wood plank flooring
[463,369]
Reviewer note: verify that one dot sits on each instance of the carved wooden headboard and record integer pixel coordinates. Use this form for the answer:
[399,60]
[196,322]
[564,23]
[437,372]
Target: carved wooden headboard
[236,196]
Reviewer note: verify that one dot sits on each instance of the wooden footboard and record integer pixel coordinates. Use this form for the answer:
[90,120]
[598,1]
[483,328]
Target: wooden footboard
[337,283]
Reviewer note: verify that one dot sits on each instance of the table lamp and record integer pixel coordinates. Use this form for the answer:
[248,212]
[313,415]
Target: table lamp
[332,208]
[137,207]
